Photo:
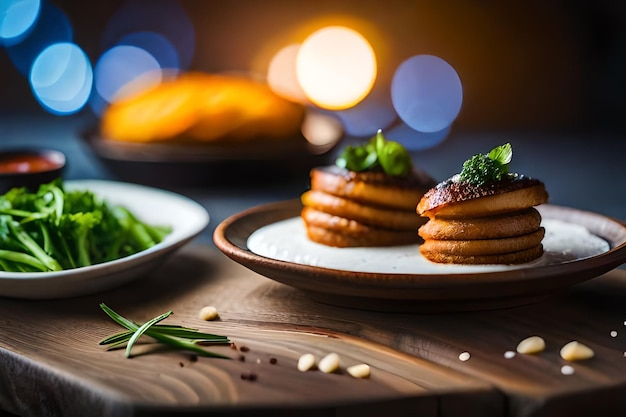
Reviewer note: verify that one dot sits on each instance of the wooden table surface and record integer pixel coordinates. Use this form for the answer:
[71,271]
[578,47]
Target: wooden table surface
[52,364]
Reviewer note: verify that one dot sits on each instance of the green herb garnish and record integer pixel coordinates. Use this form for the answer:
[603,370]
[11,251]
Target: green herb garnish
[176,336]
[484,169]
[54,229]
[378,154]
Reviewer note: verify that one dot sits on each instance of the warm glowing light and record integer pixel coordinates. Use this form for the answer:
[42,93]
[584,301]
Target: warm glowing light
[281,74]
[321,130]
[336,67]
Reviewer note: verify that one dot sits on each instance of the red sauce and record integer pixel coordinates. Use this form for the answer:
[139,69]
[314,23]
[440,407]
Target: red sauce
[26,163]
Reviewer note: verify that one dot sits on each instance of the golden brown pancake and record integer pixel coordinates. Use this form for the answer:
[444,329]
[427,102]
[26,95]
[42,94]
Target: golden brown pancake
[337,231]
[367,214]
[376,188]
[456,200]
[520,257]
[488,224]
[484,246]
[499,226]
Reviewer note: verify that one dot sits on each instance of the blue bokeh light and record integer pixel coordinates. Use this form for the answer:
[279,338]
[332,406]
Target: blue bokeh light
[17,18]
[53,26]
[120,66]
[427,93]
[372,113]
[62,78]
[165,17]
[156,45]
[413,140]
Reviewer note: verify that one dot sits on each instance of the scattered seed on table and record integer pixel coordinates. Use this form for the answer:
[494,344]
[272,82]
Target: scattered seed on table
[329,363]
[208,313]
[613,333]
[359,371]
[249,376]
[464,356]
[273,361]
[531,345]
[509,354]
[306,362]
[567,370]
[575,351]
[244,349]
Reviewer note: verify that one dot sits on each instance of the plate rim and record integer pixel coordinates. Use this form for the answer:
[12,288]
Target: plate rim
[569,273]
[178,152]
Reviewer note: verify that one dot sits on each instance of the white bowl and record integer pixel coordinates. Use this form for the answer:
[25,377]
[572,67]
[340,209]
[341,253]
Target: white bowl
[186,217]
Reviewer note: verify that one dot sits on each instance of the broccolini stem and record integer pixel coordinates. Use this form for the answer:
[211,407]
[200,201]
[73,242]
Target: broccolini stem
[21,258]
[34,248]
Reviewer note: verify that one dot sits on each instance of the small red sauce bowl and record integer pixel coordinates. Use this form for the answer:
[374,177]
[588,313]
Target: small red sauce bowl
[29,168]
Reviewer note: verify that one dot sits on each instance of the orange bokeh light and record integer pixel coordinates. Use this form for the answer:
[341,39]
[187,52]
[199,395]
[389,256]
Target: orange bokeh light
[281,74]
[336,67]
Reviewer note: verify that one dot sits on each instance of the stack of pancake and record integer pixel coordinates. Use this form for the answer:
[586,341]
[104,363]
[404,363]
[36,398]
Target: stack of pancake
[344,208]
[488,224]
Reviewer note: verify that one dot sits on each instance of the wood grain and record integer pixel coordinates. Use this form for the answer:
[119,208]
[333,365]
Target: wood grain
[51,363]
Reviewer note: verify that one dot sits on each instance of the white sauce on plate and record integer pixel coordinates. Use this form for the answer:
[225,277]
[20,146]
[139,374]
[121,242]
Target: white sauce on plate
[286,240]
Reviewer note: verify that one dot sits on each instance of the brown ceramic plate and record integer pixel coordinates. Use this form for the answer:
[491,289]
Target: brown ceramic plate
[441,287]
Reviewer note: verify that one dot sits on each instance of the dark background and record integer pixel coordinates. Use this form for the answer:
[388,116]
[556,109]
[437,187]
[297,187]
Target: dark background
[531,65]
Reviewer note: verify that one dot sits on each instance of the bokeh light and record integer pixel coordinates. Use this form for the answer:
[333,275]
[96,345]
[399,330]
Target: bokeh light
[156,45]
[413,140]
[53,26]
[17,18]
[427,93]
[122,66]
[164,17]
[321,130]
[61,78]
[281,74]
[336,67]
[374,112]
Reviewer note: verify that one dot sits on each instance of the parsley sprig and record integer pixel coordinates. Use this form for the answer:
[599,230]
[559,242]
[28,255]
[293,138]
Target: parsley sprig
[484,169]
[173,335]
[378,153]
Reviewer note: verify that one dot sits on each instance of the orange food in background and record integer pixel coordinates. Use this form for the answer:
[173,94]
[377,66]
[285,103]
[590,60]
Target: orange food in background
[200,107]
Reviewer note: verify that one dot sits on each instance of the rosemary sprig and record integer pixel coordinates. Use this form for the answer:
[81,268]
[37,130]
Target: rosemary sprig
[176,336]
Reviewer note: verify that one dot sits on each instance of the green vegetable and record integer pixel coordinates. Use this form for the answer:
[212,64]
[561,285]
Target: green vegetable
[377,154]
[53,229]
[484,169]
[176,336]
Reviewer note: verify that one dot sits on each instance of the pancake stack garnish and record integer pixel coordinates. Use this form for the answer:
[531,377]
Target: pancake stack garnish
[367,198]
[484,215]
